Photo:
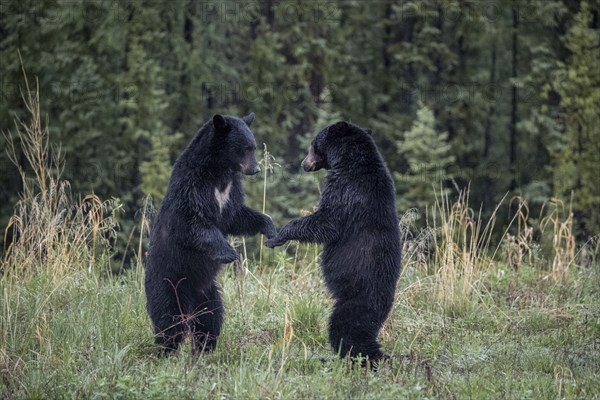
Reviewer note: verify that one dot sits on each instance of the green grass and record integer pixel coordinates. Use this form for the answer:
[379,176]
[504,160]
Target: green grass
[470,320]
[90,337]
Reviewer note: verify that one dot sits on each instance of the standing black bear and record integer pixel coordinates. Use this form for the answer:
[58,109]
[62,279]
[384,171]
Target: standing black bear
[357,223]
[204,202]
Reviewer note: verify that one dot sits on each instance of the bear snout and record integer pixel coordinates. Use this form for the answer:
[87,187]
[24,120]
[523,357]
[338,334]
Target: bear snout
[250,169]
[309,164]
[312,162]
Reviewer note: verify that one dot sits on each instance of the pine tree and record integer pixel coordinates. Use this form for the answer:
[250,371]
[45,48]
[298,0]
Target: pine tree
[576,158]
[156,170]
[428,155]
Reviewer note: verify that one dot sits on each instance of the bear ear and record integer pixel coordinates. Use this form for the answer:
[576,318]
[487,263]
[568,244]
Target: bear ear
[219,122]
[339,127]
[249,118]
[369,131]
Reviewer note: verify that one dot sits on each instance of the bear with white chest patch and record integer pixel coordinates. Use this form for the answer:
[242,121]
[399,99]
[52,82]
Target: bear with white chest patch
[204,203]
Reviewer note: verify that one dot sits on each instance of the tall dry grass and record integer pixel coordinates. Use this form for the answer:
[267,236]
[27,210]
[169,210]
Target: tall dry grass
[557,219]
[268,163]
[51,230]
[456,247]
[462,249]
[519,245]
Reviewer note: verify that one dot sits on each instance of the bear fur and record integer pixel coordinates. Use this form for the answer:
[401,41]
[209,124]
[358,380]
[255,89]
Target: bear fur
[204,203]
[356,221]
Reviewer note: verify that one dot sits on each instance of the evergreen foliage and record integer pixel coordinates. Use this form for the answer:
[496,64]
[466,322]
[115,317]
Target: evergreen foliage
[513,93]
[429,157]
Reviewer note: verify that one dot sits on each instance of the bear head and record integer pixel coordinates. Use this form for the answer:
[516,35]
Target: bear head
[335,143]
[235,143]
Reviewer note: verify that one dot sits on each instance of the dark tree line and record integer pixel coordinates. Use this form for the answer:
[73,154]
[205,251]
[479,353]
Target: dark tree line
[502,95]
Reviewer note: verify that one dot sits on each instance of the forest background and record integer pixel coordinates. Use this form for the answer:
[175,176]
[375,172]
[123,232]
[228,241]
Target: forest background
[499,96]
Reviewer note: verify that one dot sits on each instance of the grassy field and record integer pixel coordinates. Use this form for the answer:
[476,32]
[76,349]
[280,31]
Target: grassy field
[472,319]
[520,336]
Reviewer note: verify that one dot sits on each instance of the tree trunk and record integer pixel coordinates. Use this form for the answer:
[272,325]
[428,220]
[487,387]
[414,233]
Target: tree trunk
[407,102]
[386,56]
[513,113]
[487,140]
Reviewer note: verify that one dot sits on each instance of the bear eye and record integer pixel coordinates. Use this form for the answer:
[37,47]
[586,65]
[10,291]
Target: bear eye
[249,148]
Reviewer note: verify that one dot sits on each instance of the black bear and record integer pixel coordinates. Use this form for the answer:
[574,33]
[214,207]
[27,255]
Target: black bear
[356,221]
[204,203]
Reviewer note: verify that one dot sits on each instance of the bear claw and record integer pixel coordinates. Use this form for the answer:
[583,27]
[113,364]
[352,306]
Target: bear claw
[274,242]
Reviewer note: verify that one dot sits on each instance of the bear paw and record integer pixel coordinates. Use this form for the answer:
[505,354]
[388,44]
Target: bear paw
[269,230]
[226,257]
[274,242]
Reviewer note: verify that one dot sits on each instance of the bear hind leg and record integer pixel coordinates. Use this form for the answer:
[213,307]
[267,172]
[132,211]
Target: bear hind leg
[166,310]
[168,341]
[353,329]
[206,320]
[169,332]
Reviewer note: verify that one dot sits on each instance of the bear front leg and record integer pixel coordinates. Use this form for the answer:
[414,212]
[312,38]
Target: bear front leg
[315,228]
[247,222]
[212,241]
